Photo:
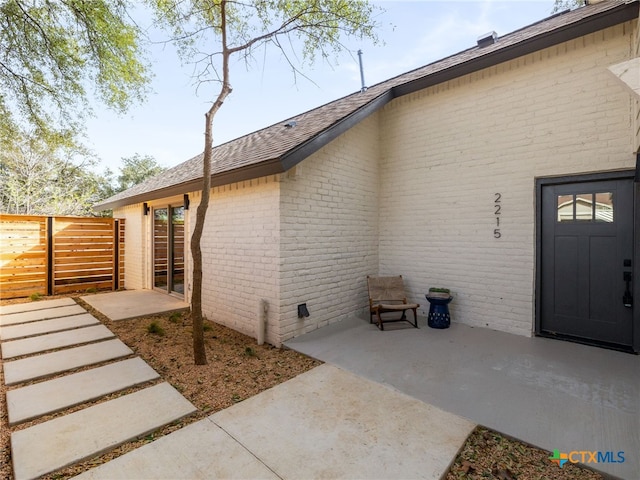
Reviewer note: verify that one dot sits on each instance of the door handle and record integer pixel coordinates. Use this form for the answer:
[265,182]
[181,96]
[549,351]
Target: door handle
[627,298]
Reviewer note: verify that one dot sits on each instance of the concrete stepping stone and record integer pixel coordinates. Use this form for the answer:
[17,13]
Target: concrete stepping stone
[39,366]
[27,307]
[69,439]
[35,315]
[201,450]
[30,329]
[26,346]
[51,396]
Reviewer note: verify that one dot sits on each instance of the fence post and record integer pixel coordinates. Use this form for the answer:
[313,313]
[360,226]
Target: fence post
[50,256]
[116,254]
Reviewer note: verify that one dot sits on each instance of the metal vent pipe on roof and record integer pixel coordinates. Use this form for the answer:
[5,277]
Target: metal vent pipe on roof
[363,87]
[487,39]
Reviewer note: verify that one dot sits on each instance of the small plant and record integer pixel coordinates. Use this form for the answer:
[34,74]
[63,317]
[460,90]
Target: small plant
[35,297]
[439,290]
[236,398]
[92,290]
[250,352]
[207,327]
[175,317]
[155,328]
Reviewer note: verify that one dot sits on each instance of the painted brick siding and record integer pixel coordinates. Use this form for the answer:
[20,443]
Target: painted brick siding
[446,151]
[329,230]
[241,255]
[134,260]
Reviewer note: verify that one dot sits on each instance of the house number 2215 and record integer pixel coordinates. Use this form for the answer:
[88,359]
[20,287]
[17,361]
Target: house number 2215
[497,208]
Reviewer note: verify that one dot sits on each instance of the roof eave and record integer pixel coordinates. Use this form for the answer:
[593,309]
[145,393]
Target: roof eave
[262,169]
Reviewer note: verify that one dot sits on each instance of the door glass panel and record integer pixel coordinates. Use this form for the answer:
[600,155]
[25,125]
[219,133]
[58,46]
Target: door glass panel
[160,247]
[604,207]
[565,208]
[584,207]
[177,251]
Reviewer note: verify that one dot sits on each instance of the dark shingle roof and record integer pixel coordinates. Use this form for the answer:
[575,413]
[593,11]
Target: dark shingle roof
[277,148]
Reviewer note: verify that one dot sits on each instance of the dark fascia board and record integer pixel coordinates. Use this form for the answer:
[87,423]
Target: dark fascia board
[304,150]
[623,13]
[262,169]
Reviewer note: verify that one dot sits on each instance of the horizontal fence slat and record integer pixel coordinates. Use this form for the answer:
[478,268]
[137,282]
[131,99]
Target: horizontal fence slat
[83,287]
[83,250]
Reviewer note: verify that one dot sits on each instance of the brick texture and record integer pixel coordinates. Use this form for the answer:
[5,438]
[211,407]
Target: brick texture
[329,230]
[241,255]
[447,150]
[135,258]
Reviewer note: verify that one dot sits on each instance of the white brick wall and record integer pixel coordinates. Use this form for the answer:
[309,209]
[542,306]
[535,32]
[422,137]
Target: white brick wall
[447,150]
[329,230]
[135,262]
[241,255]
[410,190]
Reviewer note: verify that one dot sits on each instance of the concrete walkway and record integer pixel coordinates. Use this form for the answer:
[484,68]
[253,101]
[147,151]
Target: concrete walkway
[549,393]
[326,423]
[80,340]
[134,303]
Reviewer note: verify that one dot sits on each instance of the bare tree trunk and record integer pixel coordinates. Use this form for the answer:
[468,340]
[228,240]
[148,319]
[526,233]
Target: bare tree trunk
[199,352]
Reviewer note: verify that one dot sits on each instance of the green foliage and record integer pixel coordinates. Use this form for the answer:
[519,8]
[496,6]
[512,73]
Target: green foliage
[250,352]
[439,290]
[136,169]
[35,297]
[37,178]
[52,51]
[156,329]
[301,29]
[175,317]
[561,5]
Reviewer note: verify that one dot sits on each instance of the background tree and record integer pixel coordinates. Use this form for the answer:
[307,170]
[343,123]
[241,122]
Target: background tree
[209,32]
[136,169]
[561,5]
[38,179]
[51,51]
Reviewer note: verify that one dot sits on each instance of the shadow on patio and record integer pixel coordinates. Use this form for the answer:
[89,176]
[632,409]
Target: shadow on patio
[552,394]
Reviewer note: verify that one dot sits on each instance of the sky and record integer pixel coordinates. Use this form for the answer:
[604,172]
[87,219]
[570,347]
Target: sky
[169,126]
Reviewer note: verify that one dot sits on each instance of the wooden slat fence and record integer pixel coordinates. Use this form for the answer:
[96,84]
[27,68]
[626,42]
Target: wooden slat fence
[53,255]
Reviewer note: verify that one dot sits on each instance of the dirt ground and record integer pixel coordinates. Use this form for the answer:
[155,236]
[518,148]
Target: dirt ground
[237,369]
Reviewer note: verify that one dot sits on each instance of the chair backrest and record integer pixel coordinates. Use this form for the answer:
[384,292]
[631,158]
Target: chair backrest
[386,289]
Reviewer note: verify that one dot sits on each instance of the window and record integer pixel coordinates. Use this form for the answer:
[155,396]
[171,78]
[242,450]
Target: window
[586,207]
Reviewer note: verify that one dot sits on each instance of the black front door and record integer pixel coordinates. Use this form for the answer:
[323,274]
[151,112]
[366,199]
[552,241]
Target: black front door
[586,261]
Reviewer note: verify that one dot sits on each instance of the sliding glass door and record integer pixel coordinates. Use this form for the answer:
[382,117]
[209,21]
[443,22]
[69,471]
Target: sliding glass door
[168,249]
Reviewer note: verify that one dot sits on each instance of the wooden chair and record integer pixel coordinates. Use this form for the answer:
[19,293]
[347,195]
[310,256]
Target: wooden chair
[386,294]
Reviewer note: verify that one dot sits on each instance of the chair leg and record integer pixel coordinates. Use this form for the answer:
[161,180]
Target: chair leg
[380,325]
[415,318]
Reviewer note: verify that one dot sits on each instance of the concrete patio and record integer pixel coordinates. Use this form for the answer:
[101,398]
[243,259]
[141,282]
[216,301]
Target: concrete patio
[128,304]
[553,394]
